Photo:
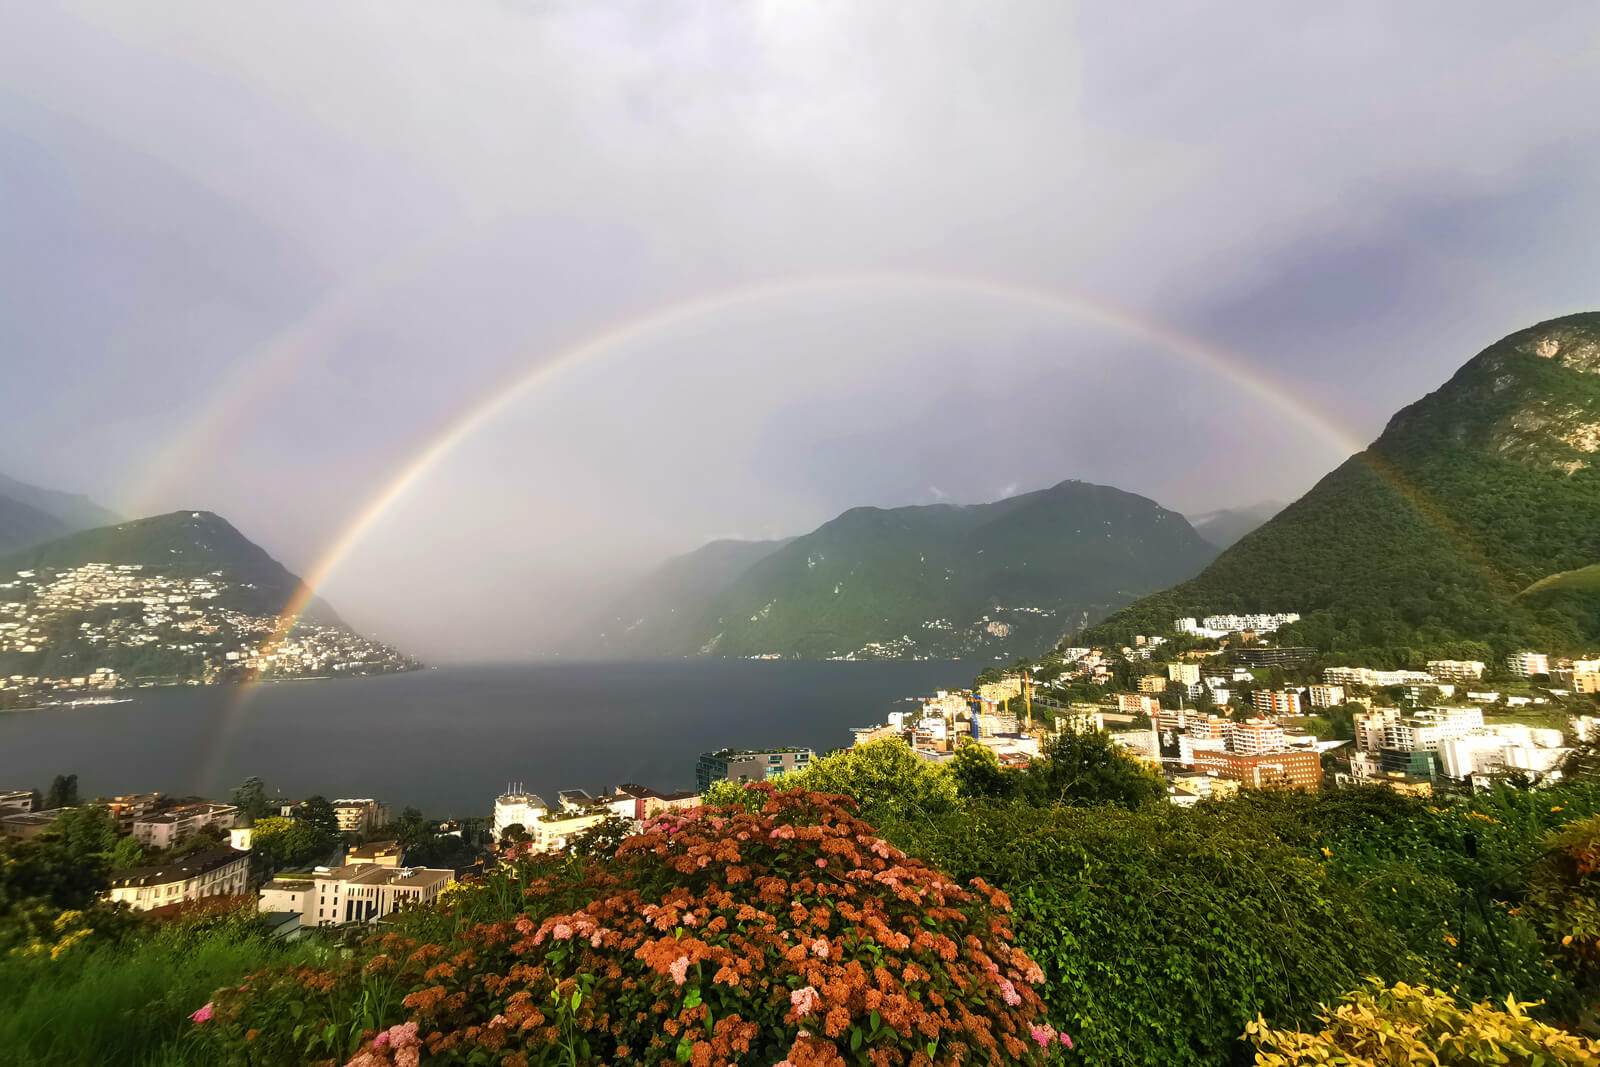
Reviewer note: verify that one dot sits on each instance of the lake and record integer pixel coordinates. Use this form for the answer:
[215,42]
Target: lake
[449,740]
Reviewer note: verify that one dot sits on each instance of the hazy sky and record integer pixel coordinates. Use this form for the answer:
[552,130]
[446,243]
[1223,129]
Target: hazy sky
[255,257]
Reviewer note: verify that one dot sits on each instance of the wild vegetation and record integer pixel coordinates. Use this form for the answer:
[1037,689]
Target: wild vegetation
[913,910]
[1427,538]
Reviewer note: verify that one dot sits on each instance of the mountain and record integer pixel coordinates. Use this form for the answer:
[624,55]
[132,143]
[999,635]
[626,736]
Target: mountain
[73,509]
[178,597]
[1453,533]
[1224,528]
[999,579]
[647,619]
[22,525]
[30,515]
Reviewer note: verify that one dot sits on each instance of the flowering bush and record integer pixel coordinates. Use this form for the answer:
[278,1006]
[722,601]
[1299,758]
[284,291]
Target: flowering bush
[1378,1026]
[789,934]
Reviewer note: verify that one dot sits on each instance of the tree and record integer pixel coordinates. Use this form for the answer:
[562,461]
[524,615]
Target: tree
[85,832]
[280,843]
[128,853]
[318,812]
[978,772]
[1084,768]
[883,776]
[63,792]
[250,797]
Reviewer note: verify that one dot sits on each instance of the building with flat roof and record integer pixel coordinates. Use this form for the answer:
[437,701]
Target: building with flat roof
[1292,770]
[633,801]
[1276,703]
[517,809]
[1275,657]
[1527,664]
[377,853]
[16,802]
[217,872]
[355,893]
[170,827]
[1326,696]
[1456,670]
[741,766]
[21,825]
[360,816]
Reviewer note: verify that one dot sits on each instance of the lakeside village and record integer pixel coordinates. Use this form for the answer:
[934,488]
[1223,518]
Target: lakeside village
[155,630]
[1213,719]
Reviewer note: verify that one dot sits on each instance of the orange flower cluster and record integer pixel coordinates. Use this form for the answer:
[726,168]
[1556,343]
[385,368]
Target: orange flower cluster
[788,935]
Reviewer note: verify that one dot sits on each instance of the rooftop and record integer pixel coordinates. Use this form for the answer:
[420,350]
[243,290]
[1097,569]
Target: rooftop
[188,867]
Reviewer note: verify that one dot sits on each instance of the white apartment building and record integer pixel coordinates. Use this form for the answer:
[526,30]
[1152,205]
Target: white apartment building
[1456,670]
[1348,676]
[16,802]
[1526,664]
[517,809]
[1326,696]
[214,873]
[170,827]
[1369,728]
[557,830]
[1427,729]
[1508,747]
[1255,736]
[1260,623]
[360,816]
[1187,673]
[357,893]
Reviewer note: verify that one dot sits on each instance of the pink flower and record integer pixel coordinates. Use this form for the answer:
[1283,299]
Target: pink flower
[1067,1041]
[1043,1035]
[1009,991]
[822,863]
[805,1000]
[680,969]
[594,939]
[202,1014]
[1034,975]
[819,948]
[561,931]
[381,1040]
[689,919]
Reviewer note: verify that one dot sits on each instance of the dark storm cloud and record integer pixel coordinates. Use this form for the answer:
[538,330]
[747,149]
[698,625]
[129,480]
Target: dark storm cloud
[256,255]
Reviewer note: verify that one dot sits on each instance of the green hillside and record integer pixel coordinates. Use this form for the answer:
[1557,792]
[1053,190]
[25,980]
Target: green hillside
[180,544]
[647,621]
[1421,544]
[1000,579]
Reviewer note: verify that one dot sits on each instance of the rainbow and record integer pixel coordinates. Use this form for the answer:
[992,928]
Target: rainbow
[1209,357]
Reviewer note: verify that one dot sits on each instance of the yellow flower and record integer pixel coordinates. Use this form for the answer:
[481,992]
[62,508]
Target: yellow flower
[1567,940]
[1556,808]
[1327,852]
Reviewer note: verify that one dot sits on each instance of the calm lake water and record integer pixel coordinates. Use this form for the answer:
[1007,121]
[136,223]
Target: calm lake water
[449,740]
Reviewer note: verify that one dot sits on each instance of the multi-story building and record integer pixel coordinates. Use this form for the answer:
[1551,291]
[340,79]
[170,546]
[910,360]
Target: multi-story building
[22,825]
[1275,657]
[1187,673]
[517,809]
[637,802]
[1369,728]
[357,893]
[1326,696]
[360,816]
[1254,736]
[1526,664]
[16,802]
[1456,670]
[1426,729]
[170,827]
[1265,622]
[1294,770]
[1152,683]
[377,853]
[741,766]
[996,692]
[1276,703]
[1374,679]
[214,873]
[1135,704]
[132,807]
[1508,747]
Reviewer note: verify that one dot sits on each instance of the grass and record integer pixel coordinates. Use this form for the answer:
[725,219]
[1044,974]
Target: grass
[129,1003]
[1582,580]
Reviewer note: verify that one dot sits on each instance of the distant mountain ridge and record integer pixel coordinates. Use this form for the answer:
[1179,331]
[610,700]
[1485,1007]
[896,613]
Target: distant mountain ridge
[30,515]
[181,597]
[1428,541]
[1226,527]
[997,579]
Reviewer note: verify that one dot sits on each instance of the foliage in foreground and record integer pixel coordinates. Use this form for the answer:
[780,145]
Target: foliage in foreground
[128,1001]
[1385,1027]
[788,933]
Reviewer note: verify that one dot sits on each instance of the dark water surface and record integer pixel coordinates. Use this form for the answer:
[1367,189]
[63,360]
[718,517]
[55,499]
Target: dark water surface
[449,740]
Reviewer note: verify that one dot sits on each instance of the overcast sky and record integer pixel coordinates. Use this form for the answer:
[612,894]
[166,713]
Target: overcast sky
[254,257]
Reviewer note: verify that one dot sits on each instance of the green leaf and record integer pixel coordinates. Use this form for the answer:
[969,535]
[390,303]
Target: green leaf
[855,1038]
[685,1048]
[577,998]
